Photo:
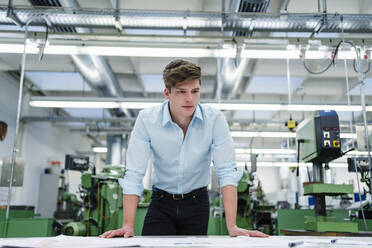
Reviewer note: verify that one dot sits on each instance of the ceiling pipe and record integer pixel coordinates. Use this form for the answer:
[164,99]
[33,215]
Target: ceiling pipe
[230,71]
[94,69]
[70,18]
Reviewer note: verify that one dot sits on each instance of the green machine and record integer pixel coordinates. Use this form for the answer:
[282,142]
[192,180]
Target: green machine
[22,222]
[318,140]
[253,213]
[103,204]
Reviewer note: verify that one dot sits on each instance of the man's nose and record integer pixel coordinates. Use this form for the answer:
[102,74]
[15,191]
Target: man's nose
[189,96]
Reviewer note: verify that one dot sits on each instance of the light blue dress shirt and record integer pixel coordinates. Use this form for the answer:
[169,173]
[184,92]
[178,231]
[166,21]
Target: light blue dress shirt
[181,164]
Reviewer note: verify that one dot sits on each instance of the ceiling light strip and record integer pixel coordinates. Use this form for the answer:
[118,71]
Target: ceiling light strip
[32,48]
[250,134]
[63,102]
[288,164]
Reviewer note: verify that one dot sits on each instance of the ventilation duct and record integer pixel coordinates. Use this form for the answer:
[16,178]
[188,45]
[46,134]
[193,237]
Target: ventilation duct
[95,69]
[230,71]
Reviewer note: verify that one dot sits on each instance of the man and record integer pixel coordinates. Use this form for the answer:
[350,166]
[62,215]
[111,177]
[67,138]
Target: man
[183,136]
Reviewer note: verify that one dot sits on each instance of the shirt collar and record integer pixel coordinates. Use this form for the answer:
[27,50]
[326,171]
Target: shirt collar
[166,114]
[198,113]
[167,117]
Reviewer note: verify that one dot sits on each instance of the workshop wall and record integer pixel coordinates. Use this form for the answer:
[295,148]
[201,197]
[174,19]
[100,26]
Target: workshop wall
[41,143]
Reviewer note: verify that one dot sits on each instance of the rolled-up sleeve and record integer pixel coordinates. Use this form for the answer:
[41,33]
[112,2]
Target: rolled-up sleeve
[137,157]
[223,153]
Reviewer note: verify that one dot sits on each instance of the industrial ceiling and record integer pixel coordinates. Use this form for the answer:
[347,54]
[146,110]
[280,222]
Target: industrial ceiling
[207,25]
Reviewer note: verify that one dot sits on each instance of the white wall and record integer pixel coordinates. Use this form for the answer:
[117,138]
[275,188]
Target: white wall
[270,179]
[42,142]
[8,108]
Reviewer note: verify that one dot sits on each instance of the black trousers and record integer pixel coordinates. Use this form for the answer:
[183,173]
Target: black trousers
[169,216]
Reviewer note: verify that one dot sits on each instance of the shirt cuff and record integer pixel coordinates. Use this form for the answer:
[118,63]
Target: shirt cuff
[130,188]
[231,179]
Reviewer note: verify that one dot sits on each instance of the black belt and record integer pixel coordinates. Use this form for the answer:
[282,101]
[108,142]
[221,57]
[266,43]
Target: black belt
[179,196]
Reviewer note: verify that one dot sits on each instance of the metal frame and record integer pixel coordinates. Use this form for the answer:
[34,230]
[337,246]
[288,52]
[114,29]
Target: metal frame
[191,20]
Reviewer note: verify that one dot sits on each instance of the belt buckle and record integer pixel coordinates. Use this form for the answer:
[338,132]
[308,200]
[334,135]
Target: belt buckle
[176,198]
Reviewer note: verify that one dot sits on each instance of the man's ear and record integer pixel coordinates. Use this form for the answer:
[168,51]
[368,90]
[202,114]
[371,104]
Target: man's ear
[166,93]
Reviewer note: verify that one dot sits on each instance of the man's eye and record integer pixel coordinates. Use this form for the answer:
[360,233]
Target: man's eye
[195,91]
[181,91]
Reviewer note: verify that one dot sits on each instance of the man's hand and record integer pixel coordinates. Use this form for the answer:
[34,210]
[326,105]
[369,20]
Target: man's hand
[236,231]
[126,231]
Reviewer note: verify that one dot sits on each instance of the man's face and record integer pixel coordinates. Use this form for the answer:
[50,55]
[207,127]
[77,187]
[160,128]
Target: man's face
[183,98]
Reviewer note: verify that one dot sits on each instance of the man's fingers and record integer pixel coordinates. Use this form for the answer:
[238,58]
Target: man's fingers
[104,235]
[128,234]
[118,232]
[112,234]
[258,234]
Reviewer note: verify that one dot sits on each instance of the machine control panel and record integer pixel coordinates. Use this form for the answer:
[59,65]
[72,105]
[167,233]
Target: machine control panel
[361,164]
[75,162]
[320,137]
[331,137]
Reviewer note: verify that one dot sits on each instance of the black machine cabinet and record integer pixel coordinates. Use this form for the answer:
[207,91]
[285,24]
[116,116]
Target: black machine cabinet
[320,137]
[76,162]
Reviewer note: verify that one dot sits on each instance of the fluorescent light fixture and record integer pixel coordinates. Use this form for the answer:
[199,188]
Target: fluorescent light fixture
[138,103]
[120,51]
[271,54]
[321,54]
[347,55]
[348,135]
[264,151]
[99,149]
[244,151]
[303,107]
[250,134]
[131,51]
[242,106]
[357,153]
[74,104]
[284,107]
[287,164]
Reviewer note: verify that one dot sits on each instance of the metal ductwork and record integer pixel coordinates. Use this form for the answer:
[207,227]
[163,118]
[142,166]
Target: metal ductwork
[114,149]
[98,72]
[94,69]
[230,71]
[100,78]
[192,20]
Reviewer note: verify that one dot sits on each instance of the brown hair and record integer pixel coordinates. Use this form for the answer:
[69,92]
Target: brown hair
[178,71]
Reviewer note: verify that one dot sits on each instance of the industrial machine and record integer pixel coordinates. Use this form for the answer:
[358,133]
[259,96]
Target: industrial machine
[319,142]
[68,205]
[361,165]
[253,213]
[102,203]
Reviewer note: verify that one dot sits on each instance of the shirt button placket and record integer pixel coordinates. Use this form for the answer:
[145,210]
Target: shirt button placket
[181,161]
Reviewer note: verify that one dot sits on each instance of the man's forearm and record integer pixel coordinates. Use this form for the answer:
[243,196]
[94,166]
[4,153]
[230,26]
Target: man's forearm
[129,209]
[230,203]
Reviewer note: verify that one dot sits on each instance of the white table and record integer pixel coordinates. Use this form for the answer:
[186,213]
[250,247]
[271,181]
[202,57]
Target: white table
[187,241]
